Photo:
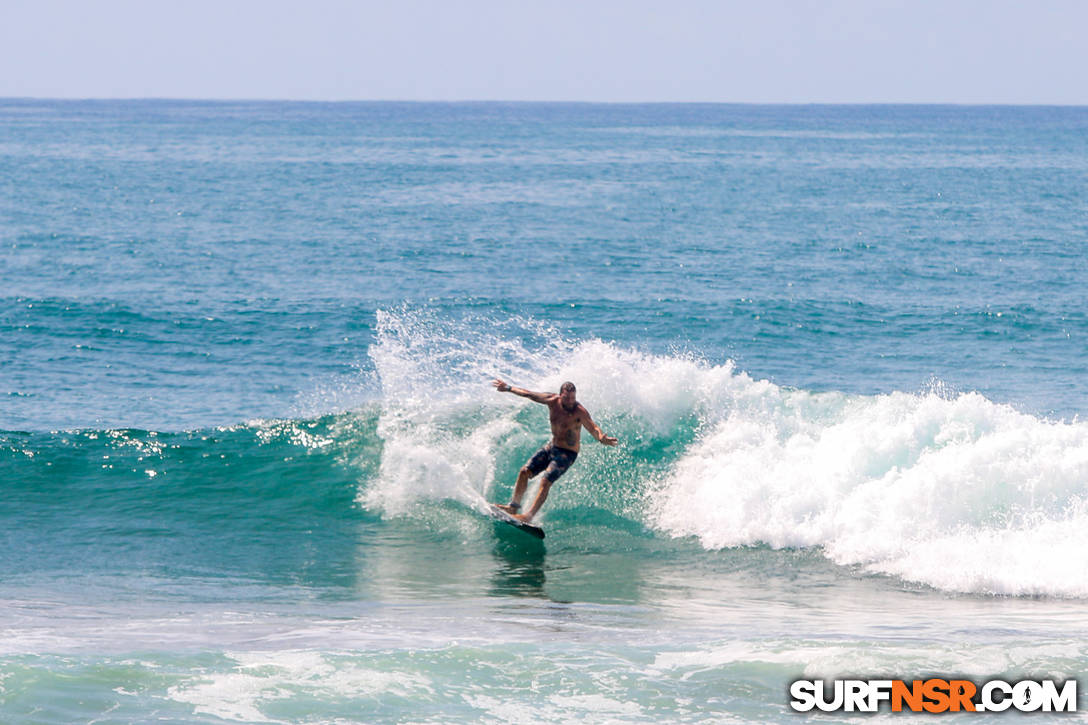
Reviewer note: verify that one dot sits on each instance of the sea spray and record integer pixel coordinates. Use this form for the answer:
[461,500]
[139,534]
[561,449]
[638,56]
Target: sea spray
[446,432]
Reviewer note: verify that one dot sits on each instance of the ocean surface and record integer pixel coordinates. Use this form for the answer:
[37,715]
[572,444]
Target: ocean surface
[247,430]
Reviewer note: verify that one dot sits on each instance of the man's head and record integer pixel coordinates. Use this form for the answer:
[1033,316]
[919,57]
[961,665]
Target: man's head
[567,395]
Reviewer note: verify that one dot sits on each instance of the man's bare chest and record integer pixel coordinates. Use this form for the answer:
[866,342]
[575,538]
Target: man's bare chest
[562,420]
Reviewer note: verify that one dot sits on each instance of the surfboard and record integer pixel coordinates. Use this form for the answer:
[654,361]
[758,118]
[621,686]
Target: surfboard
[500,515]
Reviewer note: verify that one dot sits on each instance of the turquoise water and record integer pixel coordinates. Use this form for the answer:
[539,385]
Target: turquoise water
[247,430]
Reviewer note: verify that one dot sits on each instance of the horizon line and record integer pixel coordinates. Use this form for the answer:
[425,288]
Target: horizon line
[185,99]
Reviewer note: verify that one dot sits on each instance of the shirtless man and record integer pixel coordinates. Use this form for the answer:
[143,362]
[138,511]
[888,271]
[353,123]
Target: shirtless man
[568,417]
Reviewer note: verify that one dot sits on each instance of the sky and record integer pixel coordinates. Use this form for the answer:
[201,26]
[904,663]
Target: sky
[759,51]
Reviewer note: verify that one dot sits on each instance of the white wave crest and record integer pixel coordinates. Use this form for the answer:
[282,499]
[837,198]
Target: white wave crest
[958,493]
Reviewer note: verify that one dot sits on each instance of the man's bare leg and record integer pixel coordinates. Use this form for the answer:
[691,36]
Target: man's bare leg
[541,497]
[519,492]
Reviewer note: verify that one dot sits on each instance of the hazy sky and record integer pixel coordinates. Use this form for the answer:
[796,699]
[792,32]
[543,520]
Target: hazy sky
[837,51]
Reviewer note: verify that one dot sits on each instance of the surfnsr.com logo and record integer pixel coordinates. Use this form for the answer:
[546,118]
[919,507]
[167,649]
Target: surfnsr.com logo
[934,695]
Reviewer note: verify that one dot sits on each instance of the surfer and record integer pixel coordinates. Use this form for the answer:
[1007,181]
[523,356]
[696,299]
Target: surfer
[568,417]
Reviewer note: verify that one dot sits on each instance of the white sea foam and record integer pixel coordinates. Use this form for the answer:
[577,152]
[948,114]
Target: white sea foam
[953,491]
[958,493]
[261,678]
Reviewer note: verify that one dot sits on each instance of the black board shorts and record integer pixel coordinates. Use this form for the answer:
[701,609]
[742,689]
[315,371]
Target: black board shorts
[553,458]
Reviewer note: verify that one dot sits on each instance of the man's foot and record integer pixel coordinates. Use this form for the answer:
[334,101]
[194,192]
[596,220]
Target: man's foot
[510,508]
[524,518]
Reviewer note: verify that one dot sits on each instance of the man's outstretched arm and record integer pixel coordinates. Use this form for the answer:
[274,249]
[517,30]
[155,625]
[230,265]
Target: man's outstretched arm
[504,387]
[595,430]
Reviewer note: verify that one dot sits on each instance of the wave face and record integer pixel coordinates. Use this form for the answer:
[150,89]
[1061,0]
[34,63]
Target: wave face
[949,490]
[262,501]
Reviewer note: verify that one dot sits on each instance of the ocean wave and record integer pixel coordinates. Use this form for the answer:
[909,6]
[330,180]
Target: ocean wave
[935,487]
[945,489]
[262,468]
